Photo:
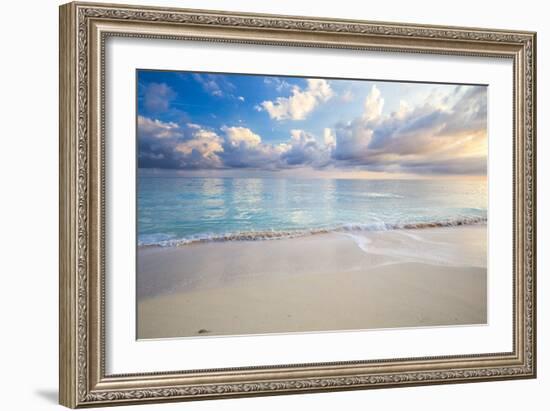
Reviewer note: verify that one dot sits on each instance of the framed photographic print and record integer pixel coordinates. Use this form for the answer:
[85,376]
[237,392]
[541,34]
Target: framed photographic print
[259,204]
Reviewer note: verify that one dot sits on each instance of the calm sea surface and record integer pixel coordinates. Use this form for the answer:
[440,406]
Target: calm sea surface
[179,210]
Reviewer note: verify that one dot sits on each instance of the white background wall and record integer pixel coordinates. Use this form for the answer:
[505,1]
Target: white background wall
[28,217]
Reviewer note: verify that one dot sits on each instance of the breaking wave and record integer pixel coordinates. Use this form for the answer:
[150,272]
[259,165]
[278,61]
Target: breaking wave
[162,240]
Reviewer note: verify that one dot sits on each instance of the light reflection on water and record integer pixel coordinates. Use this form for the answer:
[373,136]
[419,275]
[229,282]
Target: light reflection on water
[180,207]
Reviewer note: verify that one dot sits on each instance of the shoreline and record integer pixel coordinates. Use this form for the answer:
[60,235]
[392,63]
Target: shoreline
[267,235]
[330,281]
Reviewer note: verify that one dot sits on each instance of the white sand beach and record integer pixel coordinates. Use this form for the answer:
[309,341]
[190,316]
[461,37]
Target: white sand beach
[323,282]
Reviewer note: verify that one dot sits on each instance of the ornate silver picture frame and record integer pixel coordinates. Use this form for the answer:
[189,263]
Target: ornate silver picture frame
[84,30]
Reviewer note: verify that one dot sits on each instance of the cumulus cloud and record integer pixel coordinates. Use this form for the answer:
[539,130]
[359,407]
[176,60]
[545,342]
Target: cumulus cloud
[151,128]
[192,146]
[328,137]
[157,97]
[201,150]
[303,149]
[352,139]
[156,142]
[374,103]
[169,145]
[445,134]
[244,148]
[237,136]
[300,103]
[215,85]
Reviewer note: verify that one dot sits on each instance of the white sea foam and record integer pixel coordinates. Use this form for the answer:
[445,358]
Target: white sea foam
[383,195]
[152,240]
[418,246]
[361,241]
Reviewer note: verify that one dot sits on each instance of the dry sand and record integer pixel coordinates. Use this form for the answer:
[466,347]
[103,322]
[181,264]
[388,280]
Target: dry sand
[336,281]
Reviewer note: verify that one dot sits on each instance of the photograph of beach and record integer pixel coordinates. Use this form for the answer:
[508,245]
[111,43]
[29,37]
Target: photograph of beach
[276,204]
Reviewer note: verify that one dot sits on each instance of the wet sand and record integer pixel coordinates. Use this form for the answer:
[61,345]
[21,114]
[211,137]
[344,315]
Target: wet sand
[324,282]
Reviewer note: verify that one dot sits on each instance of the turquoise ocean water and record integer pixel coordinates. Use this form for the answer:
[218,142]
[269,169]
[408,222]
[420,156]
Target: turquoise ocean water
[182,210]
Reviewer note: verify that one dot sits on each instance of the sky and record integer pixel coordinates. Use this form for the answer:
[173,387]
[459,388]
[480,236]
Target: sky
[247,125]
